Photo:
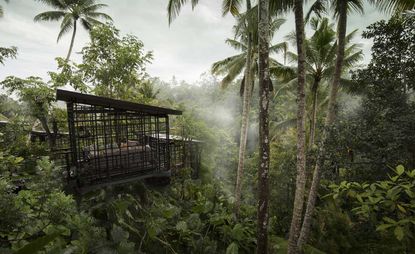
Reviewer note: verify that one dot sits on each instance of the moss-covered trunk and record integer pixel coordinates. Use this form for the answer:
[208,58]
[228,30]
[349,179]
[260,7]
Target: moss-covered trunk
[301,157]
[264,87]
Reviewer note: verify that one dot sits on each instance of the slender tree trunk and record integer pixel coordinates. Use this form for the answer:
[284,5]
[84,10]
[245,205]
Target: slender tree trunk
[331,114]
[301,157]
[246,106]
[72,41]
[264,86]
[314,91]
[51,136]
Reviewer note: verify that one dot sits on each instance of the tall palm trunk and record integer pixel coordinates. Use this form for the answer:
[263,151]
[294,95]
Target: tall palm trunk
[301,158]
[72,40]
[331,114]
[314,90]
[264,87]
[246,106]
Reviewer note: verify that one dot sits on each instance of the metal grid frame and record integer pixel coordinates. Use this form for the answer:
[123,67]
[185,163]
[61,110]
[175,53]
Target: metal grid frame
[109,144]
[113,141]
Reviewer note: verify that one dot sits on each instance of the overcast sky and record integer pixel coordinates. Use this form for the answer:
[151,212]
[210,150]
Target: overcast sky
[186,49]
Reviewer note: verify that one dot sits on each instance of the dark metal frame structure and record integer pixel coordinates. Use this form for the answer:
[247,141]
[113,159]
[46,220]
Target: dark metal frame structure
[114,141]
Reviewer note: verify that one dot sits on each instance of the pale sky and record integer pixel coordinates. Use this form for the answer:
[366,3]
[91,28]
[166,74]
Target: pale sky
[185,50]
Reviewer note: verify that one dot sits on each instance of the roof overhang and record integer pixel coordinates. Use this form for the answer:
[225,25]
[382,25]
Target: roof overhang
[75,97]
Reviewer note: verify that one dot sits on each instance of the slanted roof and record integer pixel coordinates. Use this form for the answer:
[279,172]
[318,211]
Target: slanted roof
[88,99]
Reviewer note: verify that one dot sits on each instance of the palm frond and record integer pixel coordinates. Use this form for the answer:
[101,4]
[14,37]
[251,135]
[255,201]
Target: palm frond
[356,5]
[93,8]
[324,102]
[394,6]
[72,10]
[234,71]
[100,15]
[67,18]
[314,22]
[236,44]
[282,72]
[49,16]
[1,9]
[351,35]
[57,4]
[275,25]
[352,87]
[285,124]
[88,26]
[352,5]
[65,27]
[292,57]
[410,13]
[94,22]
[288,85]
[221,66]
[319,7]
[278,48]
[277,7]
[352,59]
[174,7]
[291,37]
[231,6]
[247,22]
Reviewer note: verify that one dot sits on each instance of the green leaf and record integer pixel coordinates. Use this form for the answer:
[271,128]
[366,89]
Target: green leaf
[401,208]
[232,248]
[17,160]
[38,244]
[400,169]
[399,233]
[410,193]
[387,219]
[118,234]
[181,226]
[308,249]
[169,212]
[383,227]
[238,232]
[394,178]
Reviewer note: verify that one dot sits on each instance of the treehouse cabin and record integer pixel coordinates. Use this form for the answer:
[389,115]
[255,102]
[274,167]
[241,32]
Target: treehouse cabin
[113,141]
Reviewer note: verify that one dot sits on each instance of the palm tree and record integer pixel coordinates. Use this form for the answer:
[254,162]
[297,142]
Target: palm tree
[233,66]
[233,7]
[246,40]
[342,8]
[264,139]
[70,11]
[1,9]
[228,6]
[320,58]
[246,89]
[301,157]
[247,30]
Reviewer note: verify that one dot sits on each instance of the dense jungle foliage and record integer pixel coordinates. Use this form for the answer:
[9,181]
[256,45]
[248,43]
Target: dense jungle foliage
[366,199]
